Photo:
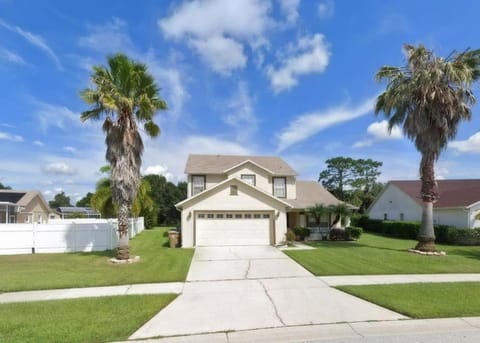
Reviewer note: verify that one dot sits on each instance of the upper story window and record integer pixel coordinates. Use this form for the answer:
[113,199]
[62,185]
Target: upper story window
[280,187]
[249,178]
[198,184]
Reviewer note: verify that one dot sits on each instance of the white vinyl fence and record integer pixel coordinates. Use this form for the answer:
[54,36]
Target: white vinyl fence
[63,235]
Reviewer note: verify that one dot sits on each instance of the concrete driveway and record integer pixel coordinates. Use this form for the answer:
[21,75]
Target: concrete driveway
[253,287]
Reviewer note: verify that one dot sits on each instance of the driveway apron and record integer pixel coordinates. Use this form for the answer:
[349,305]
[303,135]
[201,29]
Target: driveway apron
[252,287]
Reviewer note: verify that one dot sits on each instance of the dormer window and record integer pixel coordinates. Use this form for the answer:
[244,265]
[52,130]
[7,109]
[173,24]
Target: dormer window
[249,178]
[280,187]
[198,184]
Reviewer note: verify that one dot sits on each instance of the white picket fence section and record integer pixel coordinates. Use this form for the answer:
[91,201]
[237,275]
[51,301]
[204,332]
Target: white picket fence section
[63,235]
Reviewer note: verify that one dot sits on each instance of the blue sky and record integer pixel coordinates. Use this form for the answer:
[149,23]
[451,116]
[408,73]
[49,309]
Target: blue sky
[281,77]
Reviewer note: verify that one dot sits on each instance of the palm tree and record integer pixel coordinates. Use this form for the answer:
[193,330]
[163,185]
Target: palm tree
[125,95]
[318,211]
[429,97]
[341,211]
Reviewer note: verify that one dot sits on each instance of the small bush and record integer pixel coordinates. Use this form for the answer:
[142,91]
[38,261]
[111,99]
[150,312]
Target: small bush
[301,232]
[290,236]
[464,236]
[338,235]
[354,232]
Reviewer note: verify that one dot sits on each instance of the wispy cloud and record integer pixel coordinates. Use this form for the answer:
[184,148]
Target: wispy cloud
[11,56]
[34,39]
[38,143]
[9,137]
[52,115]
[241,114]
[289,8]
[59,168]
[110,37]
[309,55]
[309,124]
[326,9]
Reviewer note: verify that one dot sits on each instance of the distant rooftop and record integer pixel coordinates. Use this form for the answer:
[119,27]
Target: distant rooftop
[452,193]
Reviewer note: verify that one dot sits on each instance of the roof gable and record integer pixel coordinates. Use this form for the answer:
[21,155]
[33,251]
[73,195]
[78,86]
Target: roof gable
[219,164]
[226,183]
[310,193]
[452,193]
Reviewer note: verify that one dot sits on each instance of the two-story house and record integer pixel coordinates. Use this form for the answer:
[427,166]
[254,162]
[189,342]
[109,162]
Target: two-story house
[245,200]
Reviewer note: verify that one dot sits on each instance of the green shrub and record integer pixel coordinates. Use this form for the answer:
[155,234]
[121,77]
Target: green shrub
[354,232]
[301,232]
[338,235]
[355,219]
[464,236]
[408,230]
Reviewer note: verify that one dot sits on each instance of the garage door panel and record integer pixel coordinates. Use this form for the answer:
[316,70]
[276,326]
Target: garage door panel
[232,231]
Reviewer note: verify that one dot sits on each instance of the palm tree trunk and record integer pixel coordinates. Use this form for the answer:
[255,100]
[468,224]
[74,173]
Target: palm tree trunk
[428,193]
[123,249]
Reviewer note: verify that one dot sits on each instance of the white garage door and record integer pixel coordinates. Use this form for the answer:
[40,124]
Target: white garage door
[247,228]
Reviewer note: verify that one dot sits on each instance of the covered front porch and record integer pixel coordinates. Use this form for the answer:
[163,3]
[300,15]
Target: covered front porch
[319,226]
[8,211]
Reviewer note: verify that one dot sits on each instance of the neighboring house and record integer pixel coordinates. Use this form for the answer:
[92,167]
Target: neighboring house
[245,200]
[77,212]
[24,207]
[458,203]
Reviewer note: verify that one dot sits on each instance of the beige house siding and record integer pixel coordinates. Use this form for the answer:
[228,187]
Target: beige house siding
[247,199]
[35,211]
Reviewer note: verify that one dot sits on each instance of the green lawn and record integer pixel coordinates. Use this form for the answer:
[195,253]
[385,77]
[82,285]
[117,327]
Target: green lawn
[374,254]
[46,271]
[430,300]
[78,320]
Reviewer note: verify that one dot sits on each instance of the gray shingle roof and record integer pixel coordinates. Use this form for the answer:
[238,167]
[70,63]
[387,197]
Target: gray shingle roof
[310,193]
[217,164]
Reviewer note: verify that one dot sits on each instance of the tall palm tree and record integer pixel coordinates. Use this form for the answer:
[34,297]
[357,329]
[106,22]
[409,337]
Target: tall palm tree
[428,97]
[341,211]
[125,95]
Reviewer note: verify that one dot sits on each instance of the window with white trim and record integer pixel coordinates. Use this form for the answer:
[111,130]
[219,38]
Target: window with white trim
[280,187]
[249,178]
[198,184]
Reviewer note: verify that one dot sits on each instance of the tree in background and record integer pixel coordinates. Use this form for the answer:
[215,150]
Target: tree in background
[338,175]
[2,186]
[352,180]
[429,97]
[165,195]
[85,201]
[126,95]
[60,200]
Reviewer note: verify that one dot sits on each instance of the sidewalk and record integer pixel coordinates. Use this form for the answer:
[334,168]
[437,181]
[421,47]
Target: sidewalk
[177,287]
[340,332]
[71,293]
[396,278]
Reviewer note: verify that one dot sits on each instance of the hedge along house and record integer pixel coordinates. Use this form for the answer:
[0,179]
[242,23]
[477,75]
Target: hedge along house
[24,207]
[458,203]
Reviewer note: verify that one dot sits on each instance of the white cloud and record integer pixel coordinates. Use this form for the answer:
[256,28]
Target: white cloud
[309,124]
[290,9]
[9,137]
[59,168]
[218,29]
[59,190]
[378,131]
[107,38]
[158,169]
[48,193]
[326,9]
[69,149]
[38,143]
[310,55]
[470,145]
[222,54]
[33,39]
[241,115]
[11,56]
[69,182]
